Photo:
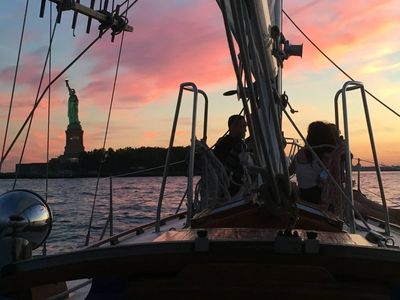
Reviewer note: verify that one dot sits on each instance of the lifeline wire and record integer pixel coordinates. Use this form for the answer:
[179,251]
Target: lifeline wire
[48,117]
[36,100]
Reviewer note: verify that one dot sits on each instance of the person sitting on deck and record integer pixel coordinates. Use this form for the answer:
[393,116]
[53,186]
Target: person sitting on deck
[229,147]
[310,174]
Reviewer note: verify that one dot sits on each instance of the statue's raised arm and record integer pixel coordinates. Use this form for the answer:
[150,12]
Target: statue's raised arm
[67,84]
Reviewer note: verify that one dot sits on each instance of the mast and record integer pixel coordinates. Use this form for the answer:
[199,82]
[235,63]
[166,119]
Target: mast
[256,28]
[278,16]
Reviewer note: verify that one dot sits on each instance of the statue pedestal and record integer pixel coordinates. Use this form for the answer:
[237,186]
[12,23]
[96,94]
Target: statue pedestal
[74,141]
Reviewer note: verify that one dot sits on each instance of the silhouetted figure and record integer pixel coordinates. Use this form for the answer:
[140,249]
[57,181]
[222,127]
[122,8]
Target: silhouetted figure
[228,149]
[309,172]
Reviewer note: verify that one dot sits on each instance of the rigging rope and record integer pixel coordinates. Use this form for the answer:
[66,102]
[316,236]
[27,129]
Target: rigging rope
[149,169]
[48,106]
[336,65]
[395,201]
[36,100]
[48,118]
[363,188]
[105,135]
[371,162]
[14,82]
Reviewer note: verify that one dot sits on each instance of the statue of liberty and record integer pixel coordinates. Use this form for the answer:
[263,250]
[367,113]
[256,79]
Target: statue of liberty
[74,133]
[72,107]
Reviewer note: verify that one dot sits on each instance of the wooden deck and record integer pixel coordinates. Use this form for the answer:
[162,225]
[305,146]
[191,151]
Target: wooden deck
[249,215]
[255,234]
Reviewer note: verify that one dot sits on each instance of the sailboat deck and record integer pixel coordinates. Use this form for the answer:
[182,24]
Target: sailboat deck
[256,234]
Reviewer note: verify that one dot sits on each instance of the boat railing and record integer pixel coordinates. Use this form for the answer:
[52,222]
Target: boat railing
[295,146]
[350,86]
[191,87]
[110,217]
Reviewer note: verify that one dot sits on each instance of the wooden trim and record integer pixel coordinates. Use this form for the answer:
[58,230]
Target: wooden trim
[168,258]
[138,230]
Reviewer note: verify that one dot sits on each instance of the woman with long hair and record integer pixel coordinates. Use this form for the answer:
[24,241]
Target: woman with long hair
[323,139]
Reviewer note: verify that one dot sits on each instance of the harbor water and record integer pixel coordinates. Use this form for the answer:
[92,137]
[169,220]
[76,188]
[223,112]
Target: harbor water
[134,202]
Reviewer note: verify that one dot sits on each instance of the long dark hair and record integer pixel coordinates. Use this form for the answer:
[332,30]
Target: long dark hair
[321,137]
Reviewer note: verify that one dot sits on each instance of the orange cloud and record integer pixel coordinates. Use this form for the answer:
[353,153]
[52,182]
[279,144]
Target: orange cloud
[151,134]
[186,43]
[340,29]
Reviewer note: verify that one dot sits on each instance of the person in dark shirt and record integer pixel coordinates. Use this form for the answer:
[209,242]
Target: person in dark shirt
[228,148]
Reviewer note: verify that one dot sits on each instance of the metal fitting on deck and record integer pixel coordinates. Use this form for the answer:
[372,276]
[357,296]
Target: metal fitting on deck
[201,243]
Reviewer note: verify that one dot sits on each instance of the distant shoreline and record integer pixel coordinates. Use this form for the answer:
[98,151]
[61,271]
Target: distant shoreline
[153,174]
[12,176]
[134,162]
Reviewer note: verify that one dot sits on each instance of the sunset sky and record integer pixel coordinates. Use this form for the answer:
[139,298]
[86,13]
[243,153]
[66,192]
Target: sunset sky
[184,40]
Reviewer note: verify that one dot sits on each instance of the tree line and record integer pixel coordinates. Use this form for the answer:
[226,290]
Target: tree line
[127,161]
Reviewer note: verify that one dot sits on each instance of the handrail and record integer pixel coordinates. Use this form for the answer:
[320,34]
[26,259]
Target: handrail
[189,86]
[349,86]
[319,161]
[358,175]
[204,139]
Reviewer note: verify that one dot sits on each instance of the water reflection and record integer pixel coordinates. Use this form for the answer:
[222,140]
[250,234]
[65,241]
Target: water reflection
[134,203]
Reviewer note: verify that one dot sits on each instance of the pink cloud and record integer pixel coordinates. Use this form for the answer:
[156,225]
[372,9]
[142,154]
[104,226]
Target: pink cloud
[35,150]
[176,44]
[29,70]
[337,27]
